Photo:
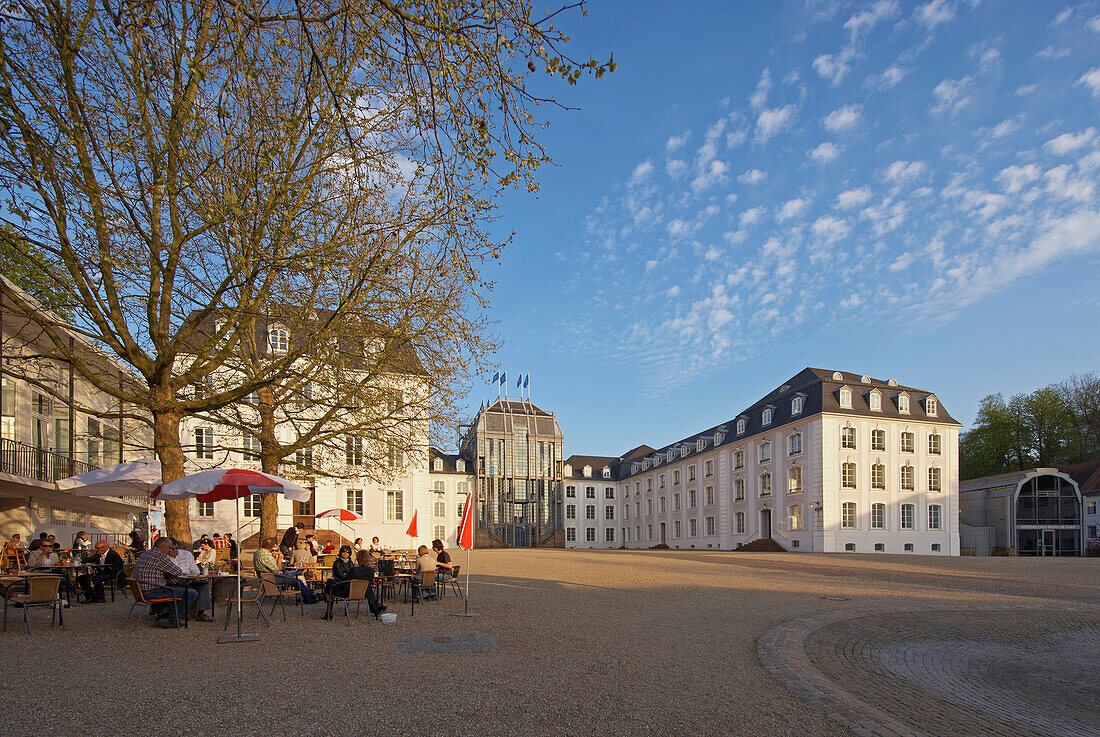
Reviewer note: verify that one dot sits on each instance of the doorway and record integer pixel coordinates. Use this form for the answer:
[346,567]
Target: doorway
[663,533]
[765,523]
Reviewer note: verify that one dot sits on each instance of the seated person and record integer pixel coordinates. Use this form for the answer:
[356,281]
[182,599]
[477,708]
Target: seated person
[207,555]
[92,583]
[311,544]
[157,573]
[330,547]
[82,542]
[137,544]
[301,557]
[375,546]
[41,555]
[443,568]
[195,545]
[425,562]
[264,561]
[186,562]
[344,570]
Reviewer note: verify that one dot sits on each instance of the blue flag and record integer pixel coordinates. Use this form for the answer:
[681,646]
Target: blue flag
[496,377]
[526,380]
[503,378]
[519,381]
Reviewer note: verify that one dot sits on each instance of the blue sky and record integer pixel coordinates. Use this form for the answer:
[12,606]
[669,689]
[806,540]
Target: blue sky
[906,190]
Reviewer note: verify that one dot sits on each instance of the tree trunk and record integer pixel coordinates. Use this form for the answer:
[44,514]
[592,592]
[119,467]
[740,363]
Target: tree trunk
[166,442]
[269,463]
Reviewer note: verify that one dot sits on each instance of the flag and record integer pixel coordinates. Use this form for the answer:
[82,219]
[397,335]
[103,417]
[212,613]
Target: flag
[496,377]
[503,378]
[519,381]
[412,526]
[466,527]
[526,380]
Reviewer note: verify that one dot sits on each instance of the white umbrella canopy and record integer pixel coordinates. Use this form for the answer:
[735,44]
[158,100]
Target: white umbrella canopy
[133,478]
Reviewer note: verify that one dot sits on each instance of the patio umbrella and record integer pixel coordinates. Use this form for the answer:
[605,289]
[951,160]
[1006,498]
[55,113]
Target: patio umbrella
[220,485]
[133,478]
[343,515]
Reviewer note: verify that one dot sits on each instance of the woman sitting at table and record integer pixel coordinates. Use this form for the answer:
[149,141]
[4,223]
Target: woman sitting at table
[357,545]
[343,571]
[425,561]
[375,546]
[207,555]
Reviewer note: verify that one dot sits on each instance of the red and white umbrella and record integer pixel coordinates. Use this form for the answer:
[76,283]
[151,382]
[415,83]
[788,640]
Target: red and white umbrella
[218,485]
[344,515]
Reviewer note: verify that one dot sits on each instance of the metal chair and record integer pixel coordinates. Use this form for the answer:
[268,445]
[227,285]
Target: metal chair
[273,589]
[357,592]
[139,599]
[248,596]
[427,581]
[41,591]
[453,581]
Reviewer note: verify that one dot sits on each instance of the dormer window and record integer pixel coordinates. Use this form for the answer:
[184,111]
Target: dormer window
[874,399]
[930,406]
[903,403]
[634,467]
[718,438]
[278,339]
[891,382]
[741,427]
[670,455]
[837,376]
[796,405]
[700,444]
[460,465]
[606,472]
[845,398]
[437,465]
[587,472]
[567,470]
[766,416]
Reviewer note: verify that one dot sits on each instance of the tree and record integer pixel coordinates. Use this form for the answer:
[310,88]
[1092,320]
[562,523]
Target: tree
[1080,395]
[182,160]
[987,447]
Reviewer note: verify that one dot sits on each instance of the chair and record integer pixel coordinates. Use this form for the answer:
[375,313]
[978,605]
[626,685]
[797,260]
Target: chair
[139,599]
[272,589]
[455,587]
[41,591]
[250,596]
[357,592]
[427,581]
[221,555]
[13,557]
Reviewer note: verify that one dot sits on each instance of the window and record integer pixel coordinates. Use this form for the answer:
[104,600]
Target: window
[304,458]
[692,498]
[609,511]
[796,405]
[395,506]
[738,459]
[460,465]
[570,511]
[676,527]
[460,507]
[437,464]
[252,505]
[739,523]
[250,448]
[846,398]
[355,501]
[907,517]
[794,517]
[848,438]
[739,490]
[909,547]
[693,528]
[590,492]
[740,427]
[849,547]
[609,492]
[606,473]
[908,442]
[353,451]
[794,480]
[205,509]
[637,509]
[874,400]
[305,397]
[878,440]
[878,516]
[609,535]
[394,456]
[708,469]
[676,502]
[676,477]
[661,481]
[649,506]
[907,478]
[880,547]
[708,526]
[765,452]
[878,476]
[691,473]
[661,503]
[1090,508]
[931,406]
[278,339]
[709,495]
[204,442]
[766,416]
[590,534]
[570,492]
[934,515]
[765,484]
[571,534]
[934,444]
[439,508]
[848,475]
[649,532]
[935,547]
[794,444]
[590,511]
[439,532]
[934,479]
[903,404]
[649,484]
[848,515]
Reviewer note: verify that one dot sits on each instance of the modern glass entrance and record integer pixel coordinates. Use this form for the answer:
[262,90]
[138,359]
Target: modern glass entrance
[1048,517]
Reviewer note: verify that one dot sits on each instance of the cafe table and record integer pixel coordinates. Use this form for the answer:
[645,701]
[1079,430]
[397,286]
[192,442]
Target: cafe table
[190,581]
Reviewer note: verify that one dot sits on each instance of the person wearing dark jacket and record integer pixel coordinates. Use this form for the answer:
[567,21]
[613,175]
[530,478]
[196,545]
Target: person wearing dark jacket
[344,570]
[290,539]
[92,583]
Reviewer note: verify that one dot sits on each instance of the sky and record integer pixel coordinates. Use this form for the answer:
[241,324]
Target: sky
[904,190]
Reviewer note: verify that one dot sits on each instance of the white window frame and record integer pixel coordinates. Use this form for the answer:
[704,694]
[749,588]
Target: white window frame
[354,500]
[878,516]
[739,523]
[765,487]
[935,517]
[878,440]
[848,516]
[908,516]
[848,473]
[395,505]
[794,480]
[204,443]
[794,444]
[848,438]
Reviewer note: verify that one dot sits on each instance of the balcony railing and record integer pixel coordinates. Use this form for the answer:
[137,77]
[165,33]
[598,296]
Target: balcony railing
[30,462]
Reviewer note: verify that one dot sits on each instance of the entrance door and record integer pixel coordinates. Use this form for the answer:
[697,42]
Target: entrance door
[1048,547]
[303,513]
[519,536]
[765,523]
[662,533]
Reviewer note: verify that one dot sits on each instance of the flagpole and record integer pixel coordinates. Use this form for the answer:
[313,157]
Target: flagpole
[466,529]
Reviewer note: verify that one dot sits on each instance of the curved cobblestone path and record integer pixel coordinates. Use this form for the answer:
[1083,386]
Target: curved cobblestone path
[999,672]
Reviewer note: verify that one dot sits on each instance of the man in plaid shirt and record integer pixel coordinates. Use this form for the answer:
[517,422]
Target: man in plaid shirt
[156,571]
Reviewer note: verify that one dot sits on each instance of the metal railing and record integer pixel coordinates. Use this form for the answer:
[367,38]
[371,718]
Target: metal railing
[30,462]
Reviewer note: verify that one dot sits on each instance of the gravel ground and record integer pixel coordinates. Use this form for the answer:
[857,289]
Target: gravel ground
[590,642]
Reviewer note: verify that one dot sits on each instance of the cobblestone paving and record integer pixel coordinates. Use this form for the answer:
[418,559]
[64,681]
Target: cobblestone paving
[451,642]
[1008,672]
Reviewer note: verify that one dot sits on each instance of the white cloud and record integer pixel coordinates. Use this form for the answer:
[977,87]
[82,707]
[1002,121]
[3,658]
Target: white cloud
[1061,183]
[853,198]
[852,300]
[713,253]
[641,173]
[736,138]
[951,95]
[759,97]
[843,118]
[792,209]
[1050,53]
[751,217]
[825,152]
[1068,142]
[773,120]
[676,168]
[900,172]
[753,176]
[673,291]
[1006,127]
[650,265]
[1062,17]
[1091,79]
[889,77]
[1026,89]
[934,13]
[831,229]
[902,262]
[1014,178]
[675,143]
[868,19]
[678,228]
[835,67]
[708,169]
[1094,23]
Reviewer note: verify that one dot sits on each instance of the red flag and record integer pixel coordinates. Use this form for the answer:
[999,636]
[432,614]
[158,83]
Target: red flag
[412,526]
[466,528]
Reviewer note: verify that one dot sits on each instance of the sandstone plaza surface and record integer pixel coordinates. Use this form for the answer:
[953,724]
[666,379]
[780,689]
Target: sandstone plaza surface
[608,643]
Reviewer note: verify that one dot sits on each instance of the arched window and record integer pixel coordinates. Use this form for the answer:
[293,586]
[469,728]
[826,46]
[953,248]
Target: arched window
[934,446]
[794,517]
[766,416]
[794,480]
[740,427]
[848,515]
[765,484]
[846,398]
[278,339]
[796,405]
[848,475]
[878,476]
